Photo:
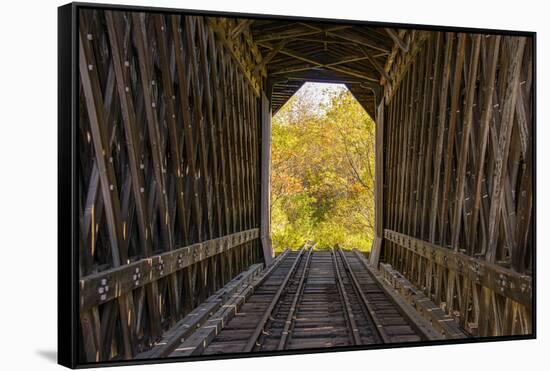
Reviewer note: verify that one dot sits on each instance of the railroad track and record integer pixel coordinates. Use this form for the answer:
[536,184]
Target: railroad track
[310,299]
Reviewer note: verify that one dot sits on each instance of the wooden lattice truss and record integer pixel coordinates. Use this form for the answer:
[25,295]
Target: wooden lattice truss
[458,170]
[168,150]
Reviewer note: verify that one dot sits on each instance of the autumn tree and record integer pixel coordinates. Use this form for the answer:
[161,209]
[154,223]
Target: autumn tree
[323,171]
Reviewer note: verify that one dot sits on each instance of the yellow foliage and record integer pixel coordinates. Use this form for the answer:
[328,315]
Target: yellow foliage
[323,171]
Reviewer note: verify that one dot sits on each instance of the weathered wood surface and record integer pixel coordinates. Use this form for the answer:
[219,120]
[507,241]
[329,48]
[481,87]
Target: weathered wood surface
[203,335]
[265,199]
[169,161]
[421,324]
[458,192]
[376,250]
[502,280]
[198,316]
[106,285]
[439,320]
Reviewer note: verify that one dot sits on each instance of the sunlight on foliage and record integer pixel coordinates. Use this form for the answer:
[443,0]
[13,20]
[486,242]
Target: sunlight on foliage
[322,186]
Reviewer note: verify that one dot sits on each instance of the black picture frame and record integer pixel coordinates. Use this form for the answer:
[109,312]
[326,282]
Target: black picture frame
[68,105]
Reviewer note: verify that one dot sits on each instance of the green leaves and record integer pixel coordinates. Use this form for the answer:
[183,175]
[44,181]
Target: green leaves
[323,170]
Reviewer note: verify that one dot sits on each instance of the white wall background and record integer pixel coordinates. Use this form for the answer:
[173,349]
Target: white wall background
[28,182]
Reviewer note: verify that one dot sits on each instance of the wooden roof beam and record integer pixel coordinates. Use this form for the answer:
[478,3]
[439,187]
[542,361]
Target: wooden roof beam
[240,27]
[326,41]
[290,35]
[309,67]
[316,78]
[309,25]
[306,59]
[405,46]
[376,65]
[357,39]
[269,56]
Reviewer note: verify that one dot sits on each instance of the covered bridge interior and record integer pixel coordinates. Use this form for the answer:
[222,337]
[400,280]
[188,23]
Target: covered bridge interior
[174,141]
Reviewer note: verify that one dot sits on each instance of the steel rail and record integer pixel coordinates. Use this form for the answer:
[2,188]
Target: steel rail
[261,324]
[348,310]
[196,344]
[366,304]
[297,296]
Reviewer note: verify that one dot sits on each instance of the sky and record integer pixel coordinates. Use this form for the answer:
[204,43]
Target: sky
[316,95]
[320,92]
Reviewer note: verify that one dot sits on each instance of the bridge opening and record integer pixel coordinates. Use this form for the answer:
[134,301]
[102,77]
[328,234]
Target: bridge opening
[322,170]
[179,150]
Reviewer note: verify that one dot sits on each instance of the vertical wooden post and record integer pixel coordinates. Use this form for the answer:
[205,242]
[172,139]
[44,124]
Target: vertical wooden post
[265,218]
[379,187]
